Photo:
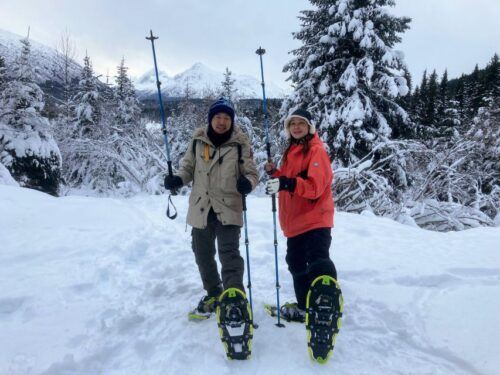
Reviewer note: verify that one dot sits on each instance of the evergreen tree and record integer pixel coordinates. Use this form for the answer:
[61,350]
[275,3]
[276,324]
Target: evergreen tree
[79,141]
[415,99]
[27,147]
[422,99]
[347,74]
[431,102]
[87,102]
[187,92]
[492,78]
[448,118]
[419,105]
[443,99]
[228,90]
[473,91]
[461,99]
[127,109]
[3,73]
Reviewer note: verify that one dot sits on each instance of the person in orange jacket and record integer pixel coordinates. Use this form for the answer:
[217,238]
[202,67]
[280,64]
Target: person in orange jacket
[306,207]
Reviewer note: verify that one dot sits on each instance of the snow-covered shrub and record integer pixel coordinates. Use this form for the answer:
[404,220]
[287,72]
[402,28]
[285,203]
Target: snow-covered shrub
[446,216]
[378,181]
[27,147]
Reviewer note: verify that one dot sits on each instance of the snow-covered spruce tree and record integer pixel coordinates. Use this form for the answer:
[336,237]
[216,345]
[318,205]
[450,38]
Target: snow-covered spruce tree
[474,87]
[347,74]
[87,102]
[78,139]
[419,105]
[492,78]
[228,90]
[3,73]
[442,100]
[460,97]
[425,107]
[447,116]
[127,107]
[27,147]
[431,103]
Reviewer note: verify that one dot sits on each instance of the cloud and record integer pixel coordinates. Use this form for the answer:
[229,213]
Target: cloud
[453,34]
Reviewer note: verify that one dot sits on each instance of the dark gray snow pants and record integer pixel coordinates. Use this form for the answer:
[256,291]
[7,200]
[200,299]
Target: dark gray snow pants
[228,243]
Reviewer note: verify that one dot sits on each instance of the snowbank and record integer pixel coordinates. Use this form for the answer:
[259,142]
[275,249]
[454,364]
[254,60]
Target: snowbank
[5,177]
[102,286]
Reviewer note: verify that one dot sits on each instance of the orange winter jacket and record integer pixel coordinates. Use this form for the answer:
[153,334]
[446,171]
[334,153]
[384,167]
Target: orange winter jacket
[311,205]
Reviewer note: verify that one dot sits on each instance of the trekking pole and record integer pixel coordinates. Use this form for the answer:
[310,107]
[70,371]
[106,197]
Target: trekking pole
[249,286]
[260,52]
[172,216]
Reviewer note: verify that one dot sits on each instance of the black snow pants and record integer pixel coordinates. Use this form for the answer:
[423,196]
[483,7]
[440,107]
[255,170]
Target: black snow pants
[228,242]
[308,257]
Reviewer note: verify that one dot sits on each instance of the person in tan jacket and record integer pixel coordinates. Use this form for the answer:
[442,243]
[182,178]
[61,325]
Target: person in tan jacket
[219,162]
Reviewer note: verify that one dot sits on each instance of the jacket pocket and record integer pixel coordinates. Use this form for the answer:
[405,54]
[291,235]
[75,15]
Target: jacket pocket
[194,200]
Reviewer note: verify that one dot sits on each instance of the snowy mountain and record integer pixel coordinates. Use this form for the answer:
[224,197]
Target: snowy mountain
[102,286]
[47,61]
[200,79]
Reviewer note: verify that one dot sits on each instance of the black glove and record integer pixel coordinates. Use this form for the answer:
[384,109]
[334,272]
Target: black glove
[243,185]
[172,182]
[287,183]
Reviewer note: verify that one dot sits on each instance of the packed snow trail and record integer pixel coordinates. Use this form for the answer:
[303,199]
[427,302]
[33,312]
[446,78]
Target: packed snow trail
[103,286]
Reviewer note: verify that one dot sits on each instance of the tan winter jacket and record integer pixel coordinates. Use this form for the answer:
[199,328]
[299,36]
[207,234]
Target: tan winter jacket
[214,172]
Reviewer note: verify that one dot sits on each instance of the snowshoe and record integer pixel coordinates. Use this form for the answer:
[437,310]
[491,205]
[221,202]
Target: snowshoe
[289,312]
[204,310]
[324,307]
[234,319]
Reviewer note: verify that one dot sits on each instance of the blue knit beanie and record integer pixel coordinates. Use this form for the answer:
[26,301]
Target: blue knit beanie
[221,105]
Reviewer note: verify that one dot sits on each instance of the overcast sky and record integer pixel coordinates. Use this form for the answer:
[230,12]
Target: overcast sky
[453,34]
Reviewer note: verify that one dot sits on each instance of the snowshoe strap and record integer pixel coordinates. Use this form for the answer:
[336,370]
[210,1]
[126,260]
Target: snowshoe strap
[174,213]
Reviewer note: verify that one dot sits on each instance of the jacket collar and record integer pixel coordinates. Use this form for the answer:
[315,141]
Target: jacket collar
[237,137]
[314,140]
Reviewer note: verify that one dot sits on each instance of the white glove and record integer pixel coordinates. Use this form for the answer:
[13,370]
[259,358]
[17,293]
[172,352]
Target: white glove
[272,186]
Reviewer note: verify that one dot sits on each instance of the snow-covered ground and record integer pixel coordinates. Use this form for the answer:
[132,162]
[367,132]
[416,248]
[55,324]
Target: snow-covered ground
[102,286]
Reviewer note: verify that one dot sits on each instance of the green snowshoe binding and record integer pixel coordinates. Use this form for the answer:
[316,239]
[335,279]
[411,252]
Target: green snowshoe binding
[204,310]
[324,307]
[234,319]
[289,312]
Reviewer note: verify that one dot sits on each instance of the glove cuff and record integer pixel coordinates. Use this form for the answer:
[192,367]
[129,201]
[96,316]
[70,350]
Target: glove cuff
[287,184]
